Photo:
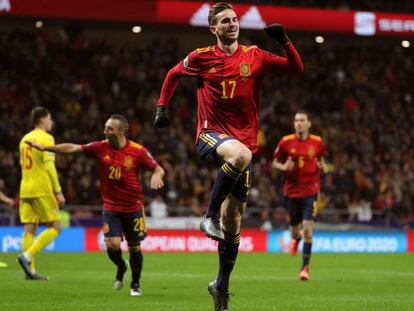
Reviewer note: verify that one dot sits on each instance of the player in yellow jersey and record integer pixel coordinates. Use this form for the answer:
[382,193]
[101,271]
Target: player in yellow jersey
[40,192]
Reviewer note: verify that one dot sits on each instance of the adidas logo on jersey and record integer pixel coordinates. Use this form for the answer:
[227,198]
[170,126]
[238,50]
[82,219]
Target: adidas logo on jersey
[212,70]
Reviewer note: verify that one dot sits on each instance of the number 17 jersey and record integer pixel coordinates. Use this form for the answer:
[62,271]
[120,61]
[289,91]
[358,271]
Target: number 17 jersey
[228,87]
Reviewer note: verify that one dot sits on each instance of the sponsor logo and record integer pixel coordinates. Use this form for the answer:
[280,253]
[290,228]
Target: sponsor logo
[364,23]
[396,25]
[252,19]
[200,17]
[343,242]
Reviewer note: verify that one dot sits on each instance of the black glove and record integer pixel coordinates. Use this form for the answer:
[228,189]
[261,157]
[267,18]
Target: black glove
[277,32]
[161,117]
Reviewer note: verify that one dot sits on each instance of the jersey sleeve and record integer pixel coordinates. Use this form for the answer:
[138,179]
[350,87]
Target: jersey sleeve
[92,148]
[280,152]
[146,159]
[290,63]
[321,151]
[189,66]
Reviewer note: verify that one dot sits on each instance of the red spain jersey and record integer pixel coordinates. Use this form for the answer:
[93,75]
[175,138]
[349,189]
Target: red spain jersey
[121,190]
[304,179]
[229,86]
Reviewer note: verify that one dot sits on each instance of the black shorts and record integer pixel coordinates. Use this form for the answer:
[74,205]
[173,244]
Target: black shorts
[300,209]
[206,148]
[132,226]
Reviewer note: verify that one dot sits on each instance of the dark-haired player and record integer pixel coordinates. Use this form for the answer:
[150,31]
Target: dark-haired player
[123,215]
[40,192]
[301,157]
[229,79]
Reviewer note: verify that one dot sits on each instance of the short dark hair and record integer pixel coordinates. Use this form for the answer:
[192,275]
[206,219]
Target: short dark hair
[123,121]
[216,9]
[303,111]
[38,113]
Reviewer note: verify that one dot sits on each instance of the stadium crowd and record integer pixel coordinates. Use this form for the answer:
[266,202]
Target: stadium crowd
[359,94]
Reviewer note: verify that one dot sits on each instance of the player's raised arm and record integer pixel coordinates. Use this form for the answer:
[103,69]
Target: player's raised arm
[292,62]
[167,91]
[156,178]
[186,67]
[60,148]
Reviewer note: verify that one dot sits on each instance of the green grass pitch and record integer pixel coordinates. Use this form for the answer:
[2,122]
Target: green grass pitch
[83,281]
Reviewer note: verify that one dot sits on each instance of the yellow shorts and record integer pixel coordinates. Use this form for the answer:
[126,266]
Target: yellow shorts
[40,209]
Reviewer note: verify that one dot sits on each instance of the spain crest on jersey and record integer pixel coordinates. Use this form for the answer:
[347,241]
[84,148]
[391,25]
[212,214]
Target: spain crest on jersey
[128,162]
[245,70]
[311,152]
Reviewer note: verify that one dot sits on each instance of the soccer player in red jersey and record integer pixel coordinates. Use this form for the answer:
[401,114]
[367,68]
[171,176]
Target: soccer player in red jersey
[119,162]
[301,157]
[229,79]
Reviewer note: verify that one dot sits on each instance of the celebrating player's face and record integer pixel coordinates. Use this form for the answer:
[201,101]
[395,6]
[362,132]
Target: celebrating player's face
[112,131]
[227,26]
[301,123]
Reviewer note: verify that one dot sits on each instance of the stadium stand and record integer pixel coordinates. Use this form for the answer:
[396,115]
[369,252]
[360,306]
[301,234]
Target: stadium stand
[359,93]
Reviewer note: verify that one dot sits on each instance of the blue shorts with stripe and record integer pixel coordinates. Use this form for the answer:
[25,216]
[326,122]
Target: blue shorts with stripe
[300,209]
[206,146]
[132,226]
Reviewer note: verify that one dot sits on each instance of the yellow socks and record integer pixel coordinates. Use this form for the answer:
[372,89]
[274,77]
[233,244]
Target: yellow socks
[27,242]
[43,240]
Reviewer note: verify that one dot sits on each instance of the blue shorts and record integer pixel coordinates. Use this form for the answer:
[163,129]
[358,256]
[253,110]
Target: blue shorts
[206,148]
[129,225]
[300,209]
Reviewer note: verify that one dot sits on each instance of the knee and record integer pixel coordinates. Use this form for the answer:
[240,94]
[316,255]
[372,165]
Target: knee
[55,225]
[231,221]
[112,245]
[242,158]
[134,248]
[307,232]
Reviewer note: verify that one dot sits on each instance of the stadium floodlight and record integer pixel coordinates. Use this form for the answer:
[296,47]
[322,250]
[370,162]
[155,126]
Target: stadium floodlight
[319,39]
[39,24]
[405,43]
[136,29]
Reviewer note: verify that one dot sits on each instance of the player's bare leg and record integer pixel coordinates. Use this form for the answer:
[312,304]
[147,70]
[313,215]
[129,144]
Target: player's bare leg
[295,239]
[307,249]
[236,157]
[113,249]
[232,209]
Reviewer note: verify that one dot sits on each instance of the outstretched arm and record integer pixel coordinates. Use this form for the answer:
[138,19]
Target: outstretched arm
[59,148]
